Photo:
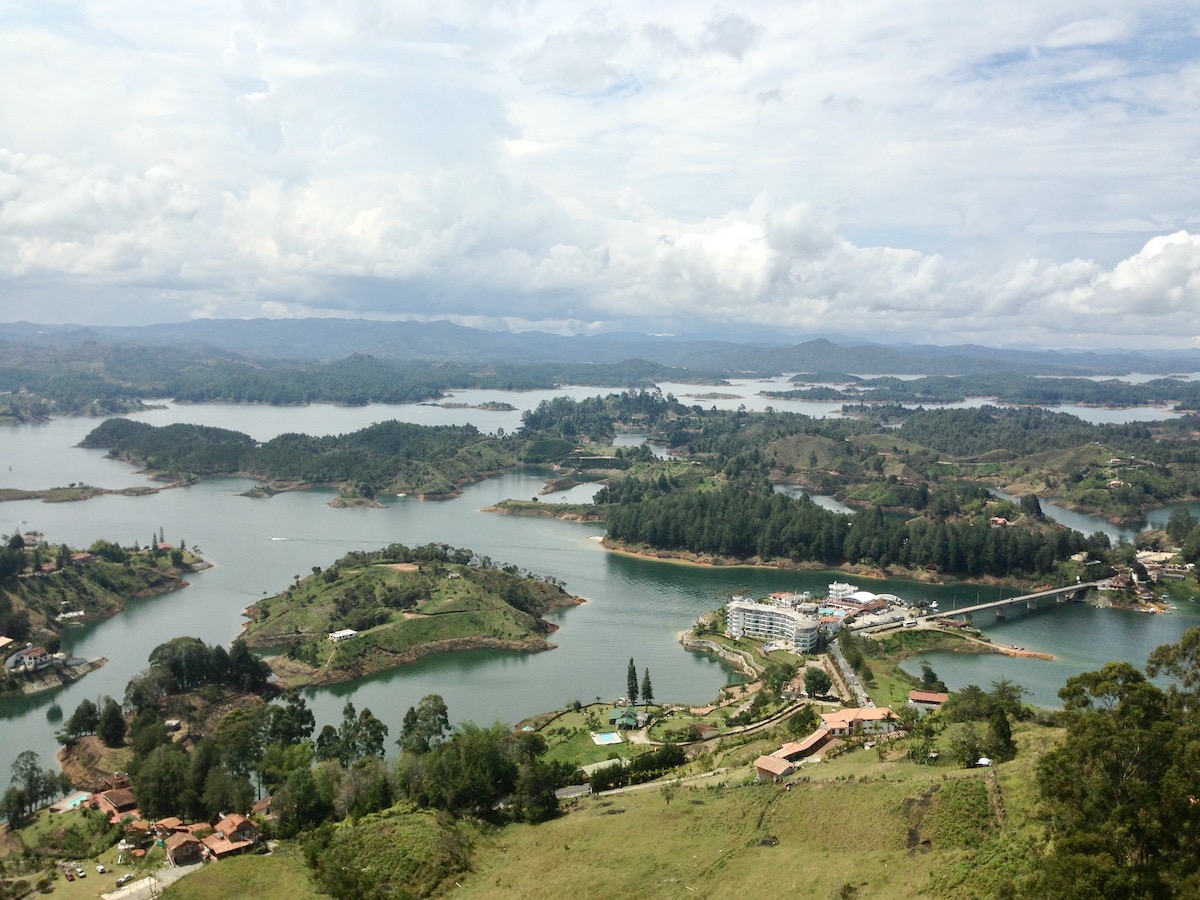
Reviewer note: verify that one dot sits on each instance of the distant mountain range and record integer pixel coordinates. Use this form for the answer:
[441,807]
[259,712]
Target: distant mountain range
[332,339]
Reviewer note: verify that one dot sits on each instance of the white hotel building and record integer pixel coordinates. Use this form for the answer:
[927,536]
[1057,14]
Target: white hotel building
[748,618]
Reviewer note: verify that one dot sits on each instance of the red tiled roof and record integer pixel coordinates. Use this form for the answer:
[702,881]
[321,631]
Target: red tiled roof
[844,718]
[221,846]
[178,839]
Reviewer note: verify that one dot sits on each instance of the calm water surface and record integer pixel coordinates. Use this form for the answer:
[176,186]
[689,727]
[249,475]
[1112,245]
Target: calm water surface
[634,607]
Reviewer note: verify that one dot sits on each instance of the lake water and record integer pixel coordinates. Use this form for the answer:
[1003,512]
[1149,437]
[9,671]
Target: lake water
[634,607]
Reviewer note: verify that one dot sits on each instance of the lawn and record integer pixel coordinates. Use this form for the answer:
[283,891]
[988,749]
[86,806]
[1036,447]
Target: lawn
[282,874]
[855,826]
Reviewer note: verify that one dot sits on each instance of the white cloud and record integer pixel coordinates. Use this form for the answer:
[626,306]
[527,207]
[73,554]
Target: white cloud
[995,173]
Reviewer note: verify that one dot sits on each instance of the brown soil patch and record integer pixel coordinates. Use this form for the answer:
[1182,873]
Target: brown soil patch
[401,567]
[88,761]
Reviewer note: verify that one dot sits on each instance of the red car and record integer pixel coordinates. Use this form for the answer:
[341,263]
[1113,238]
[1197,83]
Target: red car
[70,875]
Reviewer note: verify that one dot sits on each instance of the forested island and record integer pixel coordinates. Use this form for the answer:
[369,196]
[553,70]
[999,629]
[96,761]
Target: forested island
[926,486]
[373,610]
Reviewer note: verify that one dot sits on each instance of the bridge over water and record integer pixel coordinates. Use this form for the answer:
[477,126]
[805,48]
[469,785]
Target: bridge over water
[1030,600]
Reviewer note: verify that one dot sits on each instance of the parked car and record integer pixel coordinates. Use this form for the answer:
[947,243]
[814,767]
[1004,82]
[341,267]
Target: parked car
[125,879]
[81,872]
[70,875]
[100,868]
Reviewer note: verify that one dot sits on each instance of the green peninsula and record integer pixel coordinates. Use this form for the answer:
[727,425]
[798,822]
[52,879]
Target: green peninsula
[397,605]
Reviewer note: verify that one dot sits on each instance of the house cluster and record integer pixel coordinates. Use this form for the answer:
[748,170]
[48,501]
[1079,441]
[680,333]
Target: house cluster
[1159,566]
[879,723]
[184,843]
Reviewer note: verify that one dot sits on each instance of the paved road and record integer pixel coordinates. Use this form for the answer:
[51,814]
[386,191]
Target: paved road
[152,885]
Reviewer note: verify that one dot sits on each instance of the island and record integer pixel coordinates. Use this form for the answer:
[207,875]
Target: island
[372,611]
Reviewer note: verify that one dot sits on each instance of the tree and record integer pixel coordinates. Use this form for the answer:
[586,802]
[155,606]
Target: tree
[647,688]
[534,796]
[15,807]
[306,800]
[631,682]
[370,735]
[279,761]
[1180,524]
[246,671]
[966,747]
[1118,791]
[470,773]
[161,782]
[146,732]
[803,721]
[239,736]
[426,725]
[929,678]
[1007,695]
[85,720]
[999,743]
[111,728]
[225,791]
[291,723]
[32,785]
[817,681]
[328,744]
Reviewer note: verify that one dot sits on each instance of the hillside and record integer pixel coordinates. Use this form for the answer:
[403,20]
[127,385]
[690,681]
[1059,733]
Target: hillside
[43,588]
[857,826]
[404,604]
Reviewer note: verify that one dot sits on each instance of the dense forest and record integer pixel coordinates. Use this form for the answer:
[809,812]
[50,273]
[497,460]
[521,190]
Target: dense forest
[739,523]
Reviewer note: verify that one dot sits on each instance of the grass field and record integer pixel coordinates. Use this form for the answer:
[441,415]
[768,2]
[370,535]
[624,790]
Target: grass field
[282,874]
[853,827]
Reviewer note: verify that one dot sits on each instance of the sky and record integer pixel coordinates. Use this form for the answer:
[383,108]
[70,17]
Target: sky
[1009,174]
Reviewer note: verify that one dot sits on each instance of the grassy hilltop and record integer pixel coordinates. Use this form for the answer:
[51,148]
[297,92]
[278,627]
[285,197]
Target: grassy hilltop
[404,604]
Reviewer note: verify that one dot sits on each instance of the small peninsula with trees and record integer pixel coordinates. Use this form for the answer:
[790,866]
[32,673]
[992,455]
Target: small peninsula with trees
[45,588]
[371,611]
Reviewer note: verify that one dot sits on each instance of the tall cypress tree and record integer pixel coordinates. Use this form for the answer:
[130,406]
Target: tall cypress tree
[647,689]
[631,682]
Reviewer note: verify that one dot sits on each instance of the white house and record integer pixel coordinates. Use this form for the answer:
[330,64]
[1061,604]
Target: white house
[841,591]
[344,635]
[31,659]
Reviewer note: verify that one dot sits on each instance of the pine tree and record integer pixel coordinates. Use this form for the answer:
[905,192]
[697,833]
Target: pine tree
[647,689]
[631,682]
[1000,744]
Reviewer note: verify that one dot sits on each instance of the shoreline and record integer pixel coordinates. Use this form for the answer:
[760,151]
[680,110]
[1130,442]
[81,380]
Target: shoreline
[288,670]
[61,676]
